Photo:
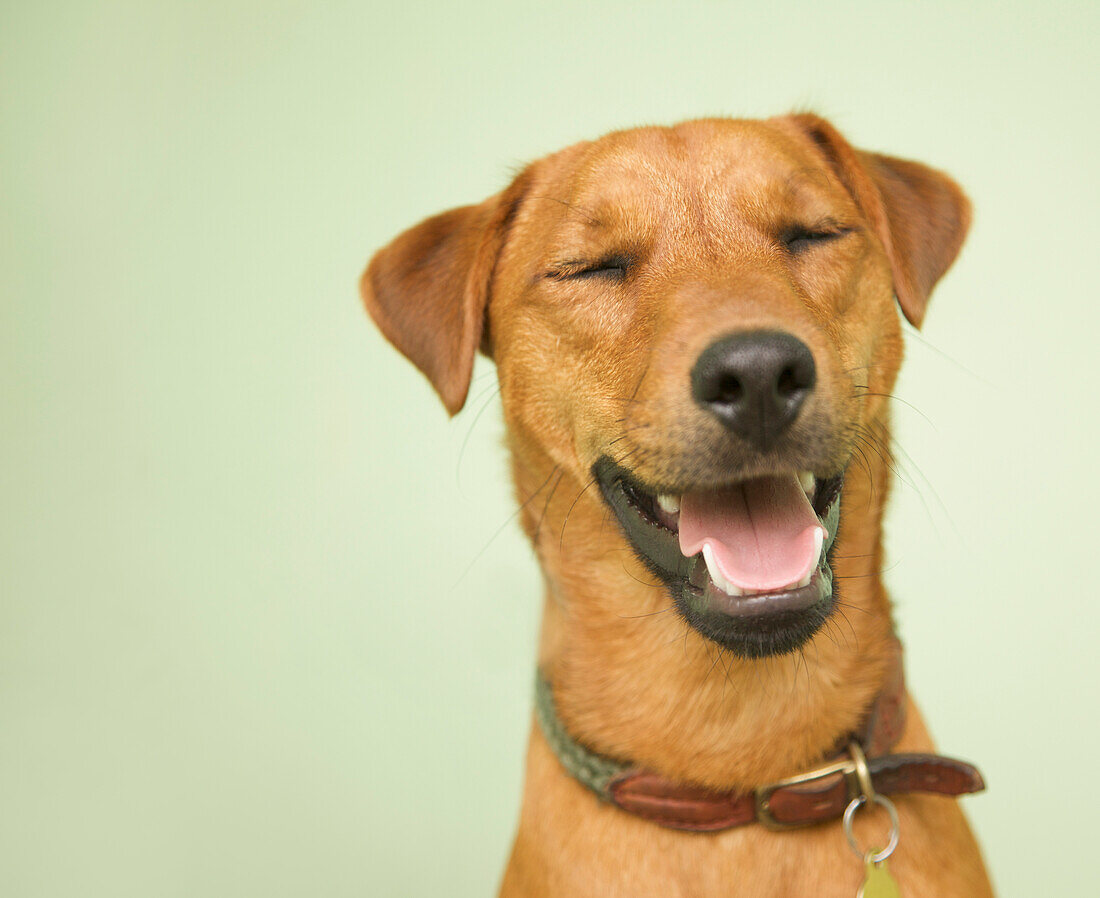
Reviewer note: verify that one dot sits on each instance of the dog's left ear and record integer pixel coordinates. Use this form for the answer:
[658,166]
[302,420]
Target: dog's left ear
[920,214]
[428,290]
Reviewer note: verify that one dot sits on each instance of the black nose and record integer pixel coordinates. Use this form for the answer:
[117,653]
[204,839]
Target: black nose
[754,383]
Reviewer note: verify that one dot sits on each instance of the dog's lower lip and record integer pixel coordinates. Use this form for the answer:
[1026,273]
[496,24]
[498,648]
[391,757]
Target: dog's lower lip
[780,601]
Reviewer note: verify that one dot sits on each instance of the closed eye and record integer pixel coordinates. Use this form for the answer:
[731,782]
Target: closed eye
[799,238]
[611,267]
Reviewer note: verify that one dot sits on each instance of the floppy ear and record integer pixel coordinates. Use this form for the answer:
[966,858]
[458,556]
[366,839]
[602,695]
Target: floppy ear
[920,214]
[428,290]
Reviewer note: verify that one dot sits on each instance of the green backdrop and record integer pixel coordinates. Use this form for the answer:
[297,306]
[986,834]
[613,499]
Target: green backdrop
[266,626]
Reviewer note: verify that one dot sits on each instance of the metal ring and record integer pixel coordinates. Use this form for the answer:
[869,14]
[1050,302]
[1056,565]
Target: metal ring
[850,812]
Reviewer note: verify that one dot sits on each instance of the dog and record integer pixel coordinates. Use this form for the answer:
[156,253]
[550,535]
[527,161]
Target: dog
[696,333]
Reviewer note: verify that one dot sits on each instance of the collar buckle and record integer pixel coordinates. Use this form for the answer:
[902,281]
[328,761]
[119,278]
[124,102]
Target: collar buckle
[853,768]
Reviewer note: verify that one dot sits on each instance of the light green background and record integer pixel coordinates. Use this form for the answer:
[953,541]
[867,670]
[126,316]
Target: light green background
[266,628]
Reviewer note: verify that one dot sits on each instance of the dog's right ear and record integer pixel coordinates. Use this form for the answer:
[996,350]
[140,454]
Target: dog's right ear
[428,290]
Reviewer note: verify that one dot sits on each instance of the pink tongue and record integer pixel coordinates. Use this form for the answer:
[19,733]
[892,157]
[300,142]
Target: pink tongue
[762,532]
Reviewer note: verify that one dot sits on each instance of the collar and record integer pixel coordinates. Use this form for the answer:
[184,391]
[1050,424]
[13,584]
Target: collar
[860,761]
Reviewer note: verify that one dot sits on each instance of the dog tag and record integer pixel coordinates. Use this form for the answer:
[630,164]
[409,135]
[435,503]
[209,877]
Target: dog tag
[878,883]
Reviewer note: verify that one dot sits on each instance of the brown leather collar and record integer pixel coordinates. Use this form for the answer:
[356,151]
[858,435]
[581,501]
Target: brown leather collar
[814,796]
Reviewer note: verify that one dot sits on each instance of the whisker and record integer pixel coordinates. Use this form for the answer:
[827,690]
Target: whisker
[717,655]
[561,536]
[654,585]
[904,402]
[587,216]
[914,334]
[908,459]
[877,573]
[500,530]
[494,391]
[645,614]
[546,504]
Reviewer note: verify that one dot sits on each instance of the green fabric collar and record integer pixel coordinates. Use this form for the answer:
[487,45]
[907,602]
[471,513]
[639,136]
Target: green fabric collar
[593,770]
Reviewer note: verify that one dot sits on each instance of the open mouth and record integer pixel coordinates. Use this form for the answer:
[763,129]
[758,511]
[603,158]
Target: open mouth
[747,563]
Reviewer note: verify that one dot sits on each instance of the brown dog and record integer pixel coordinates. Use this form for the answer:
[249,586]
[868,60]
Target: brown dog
[695,335]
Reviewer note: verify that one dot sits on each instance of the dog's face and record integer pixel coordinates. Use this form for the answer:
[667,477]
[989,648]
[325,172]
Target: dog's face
[702,319]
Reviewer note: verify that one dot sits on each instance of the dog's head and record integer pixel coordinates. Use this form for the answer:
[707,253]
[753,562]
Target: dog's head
[701,318]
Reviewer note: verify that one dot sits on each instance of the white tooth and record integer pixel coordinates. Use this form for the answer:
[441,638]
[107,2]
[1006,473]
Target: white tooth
[669,504]
[819,540]
[716,575]
[806,479]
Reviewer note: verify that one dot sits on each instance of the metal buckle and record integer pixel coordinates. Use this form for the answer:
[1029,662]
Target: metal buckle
[853,769]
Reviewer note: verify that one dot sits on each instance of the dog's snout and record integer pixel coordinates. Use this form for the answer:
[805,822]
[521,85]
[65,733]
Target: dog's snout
[755,383]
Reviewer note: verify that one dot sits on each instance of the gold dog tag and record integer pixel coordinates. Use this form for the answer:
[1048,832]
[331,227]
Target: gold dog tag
[878,882]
